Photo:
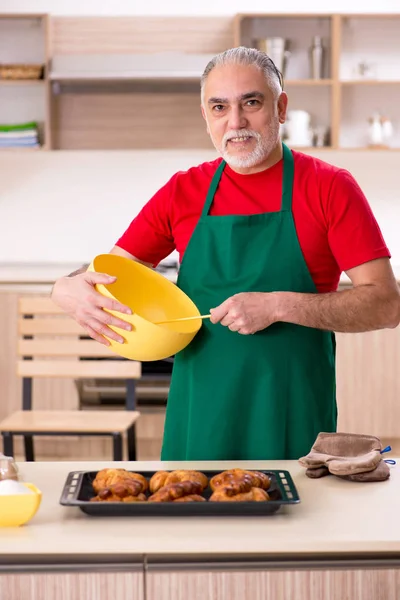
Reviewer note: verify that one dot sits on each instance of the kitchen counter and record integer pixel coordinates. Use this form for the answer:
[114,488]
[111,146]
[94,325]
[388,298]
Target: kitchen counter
[343,535]
[47,273]
[332,519]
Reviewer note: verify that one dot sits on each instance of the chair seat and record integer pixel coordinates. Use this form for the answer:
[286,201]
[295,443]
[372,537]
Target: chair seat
[69,421]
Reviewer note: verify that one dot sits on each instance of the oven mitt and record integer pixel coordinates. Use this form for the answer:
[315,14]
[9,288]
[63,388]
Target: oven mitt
[350,456]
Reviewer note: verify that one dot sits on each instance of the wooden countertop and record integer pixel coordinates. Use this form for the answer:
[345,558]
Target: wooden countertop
[335,517]
[42,273]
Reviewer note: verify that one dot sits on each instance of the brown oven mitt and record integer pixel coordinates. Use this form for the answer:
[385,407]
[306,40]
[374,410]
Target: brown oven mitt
[350,456]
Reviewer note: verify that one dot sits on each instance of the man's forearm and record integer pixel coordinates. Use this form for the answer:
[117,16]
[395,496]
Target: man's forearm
[363,308]
[82,269]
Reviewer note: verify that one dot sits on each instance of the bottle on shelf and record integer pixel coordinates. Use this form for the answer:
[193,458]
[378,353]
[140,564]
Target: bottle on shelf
[317,58]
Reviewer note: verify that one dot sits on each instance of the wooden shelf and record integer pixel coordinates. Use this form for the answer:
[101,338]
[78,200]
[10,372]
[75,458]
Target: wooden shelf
[368,149]
[22,81]
[22,149]
[369,82]
[308,82]
[102,68]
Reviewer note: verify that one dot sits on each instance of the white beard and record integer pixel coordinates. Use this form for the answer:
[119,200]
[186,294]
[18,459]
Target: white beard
[265,144]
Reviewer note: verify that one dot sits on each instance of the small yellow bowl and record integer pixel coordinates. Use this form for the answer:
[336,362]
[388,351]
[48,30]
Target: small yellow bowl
[152,298]
[18,509]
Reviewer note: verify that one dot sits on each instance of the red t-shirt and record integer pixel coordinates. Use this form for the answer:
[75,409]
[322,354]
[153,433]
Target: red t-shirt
[334,222]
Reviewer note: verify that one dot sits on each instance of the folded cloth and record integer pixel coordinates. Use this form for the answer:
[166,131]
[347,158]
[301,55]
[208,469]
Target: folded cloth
[350,456]
[9,135]
[19,126]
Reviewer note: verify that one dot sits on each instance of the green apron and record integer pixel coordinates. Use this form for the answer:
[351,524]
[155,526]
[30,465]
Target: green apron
[248,397]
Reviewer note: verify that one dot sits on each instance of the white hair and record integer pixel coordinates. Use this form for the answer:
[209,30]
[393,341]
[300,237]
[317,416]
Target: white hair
[246,56]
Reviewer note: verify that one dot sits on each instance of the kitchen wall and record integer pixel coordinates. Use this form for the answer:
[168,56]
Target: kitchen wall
[67,206]
[183,7]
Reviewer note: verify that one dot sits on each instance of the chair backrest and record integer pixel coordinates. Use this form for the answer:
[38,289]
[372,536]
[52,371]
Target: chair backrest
[46,333]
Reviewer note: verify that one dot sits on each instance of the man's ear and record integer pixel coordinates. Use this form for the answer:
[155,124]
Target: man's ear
[282,107]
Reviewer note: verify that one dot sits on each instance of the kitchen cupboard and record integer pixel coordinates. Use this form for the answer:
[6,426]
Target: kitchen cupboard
[24,39]
[368,388]
[133,82]
[360,71]
[74,586]
[377,584]
[211,583]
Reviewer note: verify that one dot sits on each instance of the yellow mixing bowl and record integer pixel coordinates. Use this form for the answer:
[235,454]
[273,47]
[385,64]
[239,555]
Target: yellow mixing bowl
[152,298]
[17,509]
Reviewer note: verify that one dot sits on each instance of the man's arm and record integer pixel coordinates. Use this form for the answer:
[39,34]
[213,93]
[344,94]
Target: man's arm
[373,303]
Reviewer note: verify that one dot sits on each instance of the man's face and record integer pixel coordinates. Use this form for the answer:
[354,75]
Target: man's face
[242,115]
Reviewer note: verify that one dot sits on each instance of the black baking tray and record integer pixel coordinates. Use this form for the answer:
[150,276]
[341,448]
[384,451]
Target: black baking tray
[78,491]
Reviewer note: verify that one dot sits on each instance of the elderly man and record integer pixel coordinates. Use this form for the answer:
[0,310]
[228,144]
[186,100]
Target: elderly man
[263,235]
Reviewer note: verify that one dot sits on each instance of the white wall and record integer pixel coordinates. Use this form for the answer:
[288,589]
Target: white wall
[185,7]
[68,206]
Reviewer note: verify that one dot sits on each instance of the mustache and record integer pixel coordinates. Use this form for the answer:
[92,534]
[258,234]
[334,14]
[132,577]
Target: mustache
[234,133]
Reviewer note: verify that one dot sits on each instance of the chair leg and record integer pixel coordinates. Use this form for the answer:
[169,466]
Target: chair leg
[131,437]
[8,443]
[117,446]
[29,452]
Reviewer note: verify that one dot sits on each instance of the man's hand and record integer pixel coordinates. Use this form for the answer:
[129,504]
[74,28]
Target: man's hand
[247,312]
[78,297]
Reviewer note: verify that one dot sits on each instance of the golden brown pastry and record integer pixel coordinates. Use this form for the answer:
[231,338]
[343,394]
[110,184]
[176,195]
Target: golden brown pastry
[158,481]
[125,487]
[163,478]
[190,498]
[168,493]
[257,479]
[113,498]
[108,477]
[254,495]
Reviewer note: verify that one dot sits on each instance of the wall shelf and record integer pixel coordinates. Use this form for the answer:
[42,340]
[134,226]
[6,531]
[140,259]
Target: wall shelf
[25,40]
[361,63]
[127,82]
[369,81]
[308,82]
[22,82]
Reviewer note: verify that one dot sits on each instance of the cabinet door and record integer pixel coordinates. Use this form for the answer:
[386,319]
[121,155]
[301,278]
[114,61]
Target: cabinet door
[368,382]
[72,586]
[272,585]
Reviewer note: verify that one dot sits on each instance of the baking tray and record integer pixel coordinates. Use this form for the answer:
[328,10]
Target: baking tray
[78,491]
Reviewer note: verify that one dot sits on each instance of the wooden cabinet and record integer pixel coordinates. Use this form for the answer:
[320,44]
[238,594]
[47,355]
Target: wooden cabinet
[360,75]
[73,586]
[25,41]
[127,82]
[271,585]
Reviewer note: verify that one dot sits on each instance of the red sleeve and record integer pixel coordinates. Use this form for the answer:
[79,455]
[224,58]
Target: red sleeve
[149,236]
[354,235]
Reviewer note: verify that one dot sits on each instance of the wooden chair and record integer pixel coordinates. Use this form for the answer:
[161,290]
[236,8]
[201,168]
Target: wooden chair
[46,334]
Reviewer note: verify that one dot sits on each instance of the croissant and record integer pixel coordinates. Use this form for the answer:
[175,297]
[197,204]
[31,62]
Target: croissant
[163,478]
[107,477]
[190,498]
[158,481]
[176,490]
[125,487]
[225,478]
[254,495]
[114,498]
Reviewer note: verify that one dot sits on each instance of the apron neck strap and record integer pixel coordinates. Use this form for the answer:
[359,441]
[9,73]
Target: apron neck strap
[288,176]
[213,188]
[287,185]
